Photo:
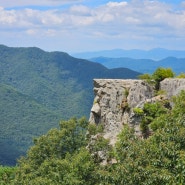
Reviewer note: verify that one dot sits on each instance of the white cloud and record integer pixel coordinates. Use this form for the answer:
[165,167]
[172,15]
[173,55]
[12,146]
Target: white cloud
[31,31]
[80,10]
[147,14]
[135,20]
[117,4]
[7,17]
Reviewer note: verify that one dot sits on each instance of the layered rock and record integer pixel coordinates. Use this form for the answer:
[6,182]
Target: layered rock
[115,100]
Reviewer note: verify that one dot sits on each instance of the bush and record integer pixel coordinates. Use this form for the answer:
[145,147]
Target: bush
[160,74]
[151,111]
[7,174]
[182,75]
[145,77]
[94,129]
[138,111]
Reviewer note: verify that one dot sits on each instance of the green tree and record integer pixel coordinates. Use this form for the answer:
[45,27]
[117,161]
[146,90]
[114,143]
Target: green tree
[59,157]
[145,76]
[181,75]
[151,113]
[160,74]
[7,174]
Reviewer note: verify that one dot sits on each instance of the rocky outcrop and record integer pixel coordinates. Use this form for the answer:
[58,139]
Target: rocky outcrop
[173,86]
[115,100]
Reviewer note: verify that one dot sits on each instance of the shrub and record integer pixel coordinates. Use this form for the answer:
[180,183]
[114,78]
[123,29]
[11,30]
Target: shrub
[7,174]
[145,76]
[151,111]
[94,129]
[160,74]
[138,111]
[181,75]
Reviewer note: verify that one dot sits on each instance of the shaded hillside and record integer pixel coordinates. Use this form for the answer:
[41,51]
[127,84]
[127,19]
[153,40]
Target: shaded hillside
[41,88]
[143,65]
[21,118]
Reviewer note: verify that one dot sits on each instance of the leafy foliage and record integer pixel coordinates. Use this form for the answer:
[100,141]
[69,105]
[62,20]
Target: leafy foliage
[158,75]
[159,159]
[138,111]
[58,157]
[145,76]
[7,174]
[94,129]
[75,168]
[151,112]
[181,75]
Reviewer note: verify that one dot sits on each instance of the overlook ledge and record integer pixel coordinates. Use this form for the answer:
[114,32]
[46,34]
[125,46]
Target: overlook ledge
[115,100]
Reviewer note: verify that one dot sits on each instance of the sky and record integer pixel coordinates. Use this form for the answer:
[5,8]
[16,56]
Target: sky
[92,25]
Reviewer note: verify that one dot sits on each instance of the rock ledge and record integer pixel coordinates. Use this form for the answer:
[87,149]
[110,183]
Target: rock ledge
[115,99]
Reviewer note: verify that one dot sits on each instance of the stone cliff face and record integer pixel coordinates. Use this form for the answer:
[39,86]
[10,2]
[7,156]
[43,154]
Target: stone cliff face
[172,87]
[115,100]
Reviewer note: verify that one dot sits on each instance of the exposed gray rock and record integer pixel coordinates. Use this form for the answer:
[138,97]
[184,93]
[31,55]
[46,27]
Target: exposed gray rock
[115,100]
[96,109]
[172,86]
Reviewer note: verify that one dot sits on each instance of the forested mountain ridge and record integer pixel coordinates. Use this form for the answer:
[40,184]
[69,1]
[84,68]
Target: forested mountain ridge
[53,76]
[53,86]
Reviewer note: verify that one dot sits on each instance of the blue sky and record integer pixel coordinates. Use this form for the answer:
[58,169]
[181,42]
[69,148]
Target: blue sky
[91,25]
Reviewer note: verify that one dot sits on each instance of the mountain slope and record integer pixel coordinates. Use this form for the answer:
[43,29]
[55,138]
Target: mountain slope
[54,79]
[22,118]
[41,88]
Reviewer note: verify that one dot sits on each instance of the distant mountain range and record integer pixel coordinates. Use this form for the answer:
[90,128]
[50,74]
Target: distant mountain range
[39,88]
[154,54]
[143,65]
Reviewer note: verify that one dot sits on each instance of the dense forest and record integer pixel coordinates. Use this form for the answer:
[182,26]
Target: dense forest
[72,154]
